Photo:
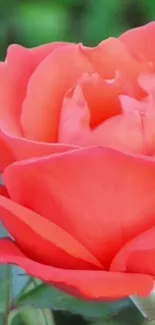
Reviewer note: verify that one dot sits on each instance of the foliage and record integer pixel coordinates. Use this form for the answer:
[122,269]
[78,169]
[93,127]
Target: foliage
[30,22]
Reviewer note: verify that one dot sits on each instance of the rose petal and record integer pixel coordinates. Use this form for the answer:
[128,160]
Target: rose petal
[6,156]
[41,109]
[102,197]
[3,190]
[14,75]
[138,255]
[84,284]
[111,56]
[74,118]
[102,98]
[139,42]
[23,148]
[123,132]
[120,132]
[43,240]
[147,82]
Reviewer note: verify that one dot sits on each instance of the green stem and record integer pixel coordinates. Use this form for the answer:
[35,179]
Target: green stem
[146,306]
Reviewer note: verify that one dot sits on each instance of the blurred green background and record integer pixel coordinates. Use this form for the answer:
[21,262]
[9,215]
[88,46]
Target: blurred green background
[33,22]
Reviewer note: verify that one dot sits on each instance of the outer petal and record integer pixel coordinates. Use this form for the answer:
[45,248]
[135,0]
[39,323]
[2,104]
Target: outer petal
[42,240]
[138,255]
[100,196]
[15,72]
[46,89]
[85,284]
[112,56]
[6,156]
[139,42]
[23,148]
[3,190]
[14,75]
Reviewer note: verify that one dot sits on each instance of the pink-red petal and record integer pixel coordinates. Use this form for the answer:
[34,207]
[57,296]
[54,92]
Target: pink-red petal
[100,196]
[15,72]
[23,148]
[123,131]
[139,42]
[43,240]
[46,89]
[138,255]
[111,57]
[96,285]
[75,118]
[3,190]
[102,97]
[6,155]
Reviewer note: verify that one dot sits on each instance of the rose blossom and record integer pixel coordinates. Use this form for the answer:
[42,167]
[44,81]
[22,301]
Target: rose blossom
[77,137]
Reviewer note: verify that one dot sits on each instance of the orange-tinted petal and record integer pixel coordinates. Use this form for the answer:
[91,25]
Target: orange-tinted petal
[138,255]
[139,42]
[84,284]
[15,72]
[102,98]
[46,89]
[112,56]
[102,197]
[6,156]
[120,132]
[43,240]
[74,118]
[23,148]
[123,132]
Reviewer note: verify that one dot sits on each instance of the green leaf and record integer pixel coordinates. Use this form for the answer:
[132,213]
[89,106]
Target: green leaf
[19,281]
[127,316]
[3,319]
[30,316]
[105,322]
[5,287]
[44,296]
[5,284]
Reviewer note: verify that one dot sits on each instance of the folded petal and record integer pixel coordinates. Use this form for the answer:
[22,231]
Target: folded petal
[101,96]
[6,156]
[15,72]
[43,240]
[139,42]
[123,131]
[112,56]
[3,190]
[46,89]
[102,197]
[75,118]
[96,285]
[23,148]
[147,82]
[120,132]
[138,255]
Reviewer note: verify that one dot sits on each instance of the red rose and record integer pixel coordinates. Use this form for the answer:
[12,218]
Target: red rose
[82,216]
